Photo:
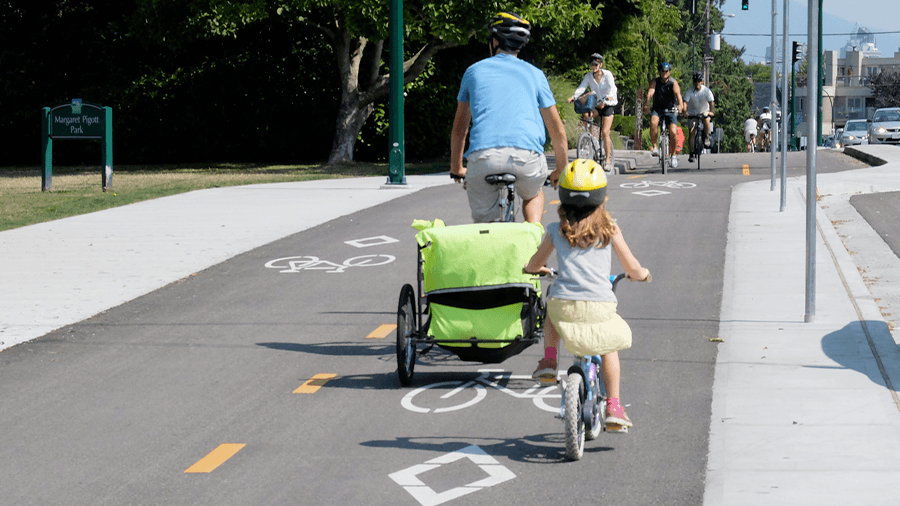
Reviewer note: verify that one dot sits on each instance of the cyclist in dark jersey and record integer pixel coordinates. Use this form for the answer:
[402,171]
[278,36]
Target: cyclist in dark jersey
[665,95]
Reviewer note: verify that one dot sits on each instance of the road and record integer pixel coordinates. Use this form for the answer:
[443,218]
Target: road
[200,392]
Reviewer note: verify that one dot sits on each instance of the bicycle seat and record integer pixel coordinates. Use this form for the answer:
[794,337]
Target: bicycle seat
[500,178]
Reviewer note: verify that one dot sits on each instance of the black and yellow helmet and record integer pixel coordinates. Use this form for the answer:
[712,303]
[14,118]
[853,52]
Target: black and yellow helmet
[511,30]
[583,184]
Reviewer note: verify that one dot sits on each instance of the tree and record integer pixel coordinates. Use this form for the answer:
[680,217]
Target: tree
[886,89]
[357,31]
[734,94]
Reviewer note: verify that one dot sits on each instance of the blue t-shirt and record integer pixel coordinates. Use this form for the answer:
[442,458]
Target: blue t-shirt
[505,94]
[583,273]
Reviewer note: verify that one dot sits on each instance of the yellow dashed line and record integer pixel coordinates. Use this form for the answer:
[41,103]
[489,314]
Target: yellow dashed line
[314,384]
[215,458]
[635,176]
[382,331]
[552,202]
[746,170]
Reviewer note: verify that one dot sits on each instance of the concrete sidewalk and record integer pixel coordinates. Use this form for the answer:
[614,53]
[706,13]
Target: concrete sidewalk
[61,272]
[805,413]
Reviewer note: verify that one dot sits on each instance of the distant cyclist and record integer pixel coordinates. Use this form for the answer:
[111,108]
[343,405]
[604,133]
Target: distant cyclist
[764,124]
[665,95]
[700,102]
[750,132]
[602,84]
[509,104]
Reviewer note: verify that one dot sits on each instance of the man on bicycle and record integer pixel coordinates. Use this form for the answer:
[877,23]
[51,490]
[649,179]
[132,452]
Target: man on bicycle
[764,123]
[665,95]
[700,102]
[601,83]
[750,132]
[509,103]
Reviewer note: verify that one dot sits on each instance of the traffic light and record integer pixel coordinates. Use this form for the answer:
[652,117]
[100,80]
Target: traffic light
[797,53]
[745,5]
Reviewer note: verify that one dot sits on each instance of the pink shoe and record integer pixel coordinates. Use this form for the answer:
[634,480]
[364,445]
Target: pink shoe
[616,416]
[546,370]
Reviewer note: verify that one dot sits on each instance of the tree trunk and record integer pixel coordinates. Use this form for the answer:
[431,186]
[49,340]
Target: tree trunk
[351,118]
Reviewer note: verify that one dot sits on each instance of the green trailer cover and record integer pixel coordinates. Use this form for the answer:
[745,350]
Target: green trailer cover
[489,255]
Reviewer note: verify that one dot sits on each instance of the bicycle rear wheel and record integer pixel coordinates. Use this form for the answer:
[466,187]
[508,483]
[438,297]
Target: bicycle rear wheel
[585,146]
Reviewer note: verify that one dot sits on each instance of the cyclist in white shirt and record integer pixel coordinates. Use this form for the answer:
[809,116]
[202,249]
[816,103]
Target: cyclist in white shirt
[602,84]
[750,132]
[700,102]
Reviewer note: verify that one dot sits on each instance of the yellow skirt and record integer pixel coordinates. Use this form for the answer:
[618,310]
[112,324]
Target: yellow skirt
[589,327]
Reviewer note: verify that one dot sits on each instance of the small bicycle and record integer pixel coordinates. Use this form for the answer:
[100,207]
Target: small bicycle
[590,147]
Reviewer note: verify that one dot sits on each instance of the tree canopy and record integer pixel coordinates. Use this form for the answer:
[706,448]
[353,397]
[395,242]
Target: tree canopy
[298,80]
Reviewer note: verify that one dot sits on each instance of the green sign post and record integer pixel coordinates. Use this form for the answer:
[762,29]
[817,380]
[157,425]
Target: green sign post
[76,120]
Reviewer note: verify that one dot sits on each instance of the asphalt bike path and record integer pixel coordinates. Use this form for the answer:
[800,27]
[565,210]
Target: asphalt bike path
[214,359]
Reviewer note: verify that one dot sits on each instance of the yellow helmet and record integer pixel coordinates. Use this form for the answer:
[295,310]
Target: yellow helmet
[583,184]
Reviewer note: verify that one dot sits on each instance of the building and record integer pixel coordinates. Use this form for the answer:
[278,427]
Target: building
[845,91]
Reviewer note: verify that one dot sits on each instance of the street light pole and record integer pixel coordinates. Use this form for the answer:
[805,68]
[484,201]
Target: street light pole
[772,101]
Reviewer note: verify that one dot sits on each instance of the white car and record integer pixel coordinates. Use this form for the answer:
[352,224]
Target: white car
[885,126]
[855,132]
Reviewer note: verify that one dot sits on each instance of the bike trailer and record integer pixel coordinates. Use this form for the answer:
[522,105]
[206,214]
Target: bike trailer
[474,296]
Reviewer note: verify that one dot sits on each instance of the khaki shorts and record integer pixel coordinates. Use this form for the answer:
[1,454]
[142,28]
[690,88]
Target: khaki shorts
[529,167]
[588,327]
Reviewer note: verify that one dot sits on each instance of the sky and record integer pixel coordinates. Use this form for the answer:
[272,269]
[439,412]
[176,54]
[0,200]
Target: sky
[840,17]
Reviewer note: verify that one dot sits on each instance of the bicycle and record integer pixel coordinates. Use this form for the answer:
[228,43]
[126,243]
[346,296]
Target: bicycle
[507,198]
[583,403]
[766,139]
[664,158]
[592,148]
[695,124]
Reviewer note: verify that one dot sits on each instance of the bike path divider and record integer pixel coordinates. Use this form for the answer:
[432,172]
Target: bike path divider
[64,271]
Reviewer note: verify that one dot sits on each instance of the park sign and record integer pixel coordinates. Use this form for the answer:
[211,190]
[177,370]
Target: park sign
[76,120]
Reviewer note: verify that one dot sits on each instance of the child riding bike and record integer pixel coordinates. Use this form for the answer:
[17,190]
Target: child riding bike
[582,305]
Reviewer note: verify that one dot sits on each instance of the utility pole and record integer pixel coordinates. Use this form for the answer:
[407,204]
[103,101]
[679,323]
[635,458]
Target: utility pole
[706,56]
[773,101]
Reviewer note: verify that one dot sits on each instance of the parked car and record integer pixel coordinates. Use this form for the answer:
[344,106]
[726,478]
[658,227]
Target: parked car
[885,126]
[855,132]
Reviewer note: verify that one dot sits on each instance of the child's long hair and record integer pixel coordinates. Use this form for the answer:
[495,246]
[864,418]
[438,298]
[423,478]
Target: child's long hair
[584,227]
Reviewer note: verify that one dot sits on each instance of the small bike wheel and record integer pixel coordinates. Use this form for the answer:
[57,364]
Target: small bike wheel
[586,146]
[406,334]
[573,420]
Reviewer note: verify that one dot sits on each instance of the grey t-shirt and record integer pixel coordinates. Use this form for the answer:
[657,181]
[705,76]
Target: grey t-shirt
[583,273]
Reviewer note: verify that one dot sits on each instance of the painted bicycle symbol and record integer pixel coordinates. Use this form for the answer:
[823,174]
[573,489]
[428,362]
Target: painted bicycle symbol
[664,184]
[312,263]
[465,393]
